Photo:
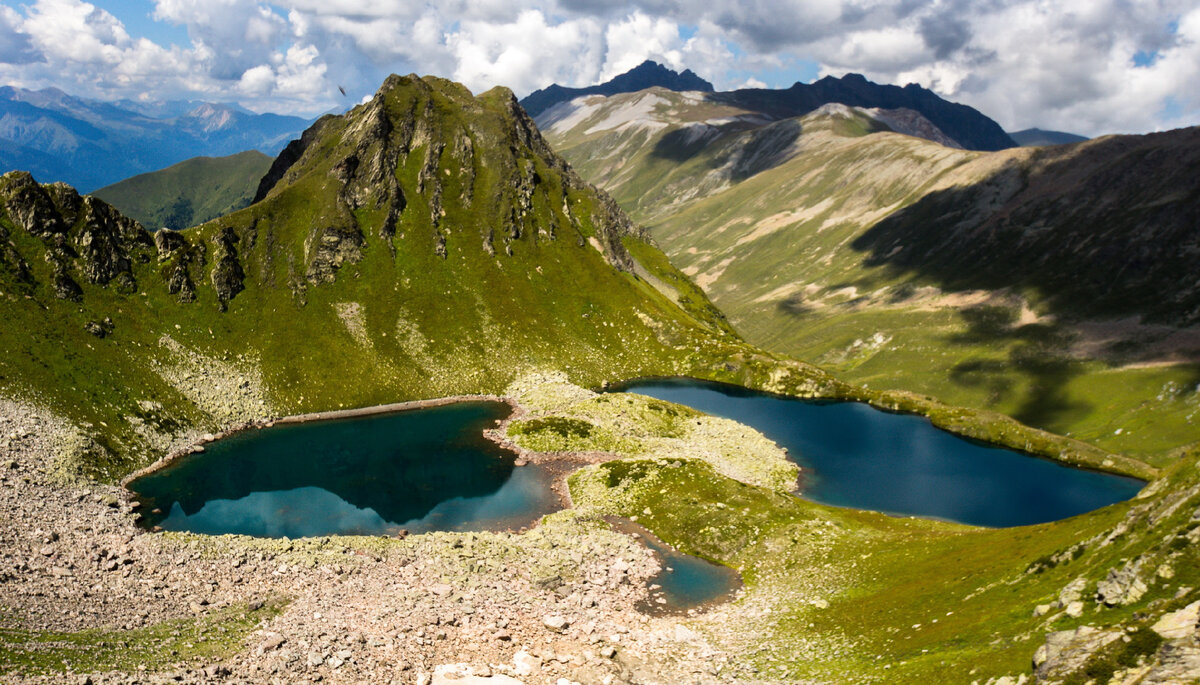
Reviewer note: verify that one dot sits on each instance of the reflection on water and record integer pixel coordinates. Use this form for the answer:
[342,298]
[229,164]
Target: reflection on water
[419,470]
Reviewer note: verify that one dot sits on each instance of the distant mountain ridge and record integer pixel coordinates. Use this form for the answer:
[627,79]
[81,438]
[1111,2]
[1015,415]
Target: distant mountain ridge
[189,193]
[1032,137]
[966,126]
[90,143]
[646,75]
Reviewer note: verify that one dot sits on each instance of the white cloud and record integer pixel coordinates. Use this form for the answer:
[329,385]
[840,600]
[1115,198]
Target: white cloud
[1067,64]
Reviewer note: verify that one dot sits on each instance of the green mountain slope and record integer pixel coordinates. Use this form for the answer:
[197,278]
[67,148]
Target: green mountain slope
[190,192]
[427,243]
[1012,280]
[430,243]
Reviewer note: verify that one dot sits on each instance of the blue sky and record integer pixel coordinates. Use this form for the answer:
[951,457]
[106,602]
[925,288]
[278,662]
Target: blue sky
[1088,66]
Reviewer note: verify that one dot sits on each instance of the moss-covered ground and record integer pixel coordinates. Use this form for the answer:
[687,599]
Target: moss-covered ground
[197,641]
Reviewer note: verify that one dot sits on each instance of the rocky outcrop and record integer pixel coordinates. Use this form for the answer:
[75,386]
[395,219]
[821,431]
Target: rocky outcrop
[333,247]
[228,278]
[1066,651]
[177,258]
[84,237]
[1121,586]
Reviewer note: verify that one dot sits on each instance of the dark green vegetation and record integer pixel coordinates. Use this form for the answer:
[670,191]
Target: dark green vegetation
[427,243]
[1010,282]
[152,648]
[189,193]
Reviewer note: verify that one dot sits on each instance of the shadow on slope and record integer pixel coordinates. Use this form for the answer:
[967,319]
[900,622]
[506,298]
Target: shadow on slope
[1037,351]
[761,149]
[1104,229]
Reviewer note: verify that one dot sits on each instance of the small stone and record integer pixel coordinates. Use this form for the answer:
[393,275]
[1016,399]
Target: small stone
[1178,624]
[440,589]
[525,663]
[271,643]
[608,651]
[1042,609]
[555,622]
[1075,609]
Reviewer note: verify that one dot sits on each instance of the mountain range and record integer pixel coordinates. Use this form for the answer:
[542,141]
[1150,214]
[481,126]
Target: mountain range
[1032,281]
[959,125]
[89,143]
[433,243]
[646,75]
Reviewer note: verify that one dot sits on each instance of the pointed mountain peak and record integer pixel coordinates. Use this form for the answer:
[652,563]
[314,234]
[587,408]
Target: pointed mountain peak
[648,74]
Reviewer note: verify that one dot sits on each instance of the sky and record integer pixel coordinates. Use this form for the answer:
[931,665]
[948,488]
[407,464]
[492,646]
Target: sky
[1084,66]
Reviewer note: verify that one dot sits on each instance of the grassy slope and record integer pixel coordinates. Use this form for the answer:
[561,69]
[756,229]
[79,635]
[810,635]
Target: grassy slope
[426,325]
[908,600]
[771,244]
[191,192]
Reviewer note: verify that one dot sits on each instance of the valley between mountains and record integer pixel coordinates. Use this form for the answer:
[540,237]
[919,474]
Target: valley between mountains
[434,243]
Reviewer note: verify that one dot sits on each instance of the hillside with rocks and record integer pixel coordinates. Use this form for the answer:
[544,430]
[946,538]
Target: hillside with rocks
[431,243]
[999,281]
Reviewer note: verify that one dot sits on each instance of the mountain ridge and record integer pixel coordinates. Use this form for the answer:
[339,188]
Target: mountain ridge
[426,225]
[771,218]
[645,75]
[91,144]
[1037,136]
[191,192]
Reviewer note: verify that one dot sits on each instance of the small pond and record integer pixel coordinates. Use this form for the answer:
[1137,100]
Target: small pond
[685,582]
[419,470]
[857,456]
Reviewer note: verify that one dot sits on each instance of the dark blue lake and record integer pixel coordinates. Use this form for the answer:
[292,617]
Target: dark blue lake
[420,470]
[857,456]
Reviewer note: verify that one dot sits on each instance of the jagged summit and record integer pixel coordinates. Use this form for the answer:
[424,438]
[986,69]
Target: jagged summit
[966,125]
[646,75]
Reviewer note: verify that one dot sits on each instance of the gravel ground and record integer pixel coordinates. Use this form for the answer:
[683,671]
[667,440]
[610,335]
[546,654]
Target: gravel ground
[555,602]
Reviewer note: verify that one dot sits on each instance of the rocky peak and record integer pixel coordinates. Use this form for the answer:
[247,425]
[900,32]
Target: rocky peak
[448,136]
[648,74]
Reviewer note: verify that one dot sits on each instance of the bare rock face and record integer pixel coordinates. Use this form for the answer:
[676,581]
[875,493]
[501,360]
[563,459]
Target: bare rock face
[1066,651]
[178,257]
[1176,625]
[1121,586]
[228,278]
[84,237]
[334,247]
